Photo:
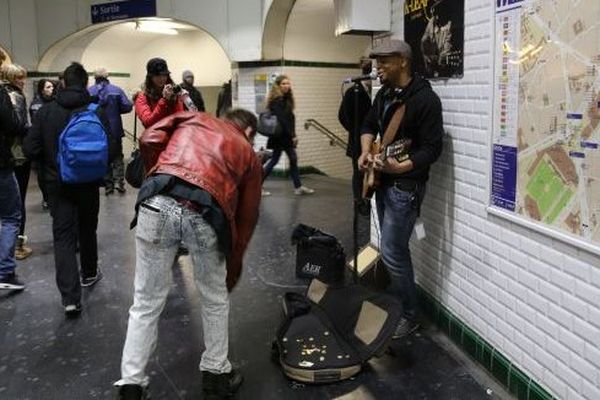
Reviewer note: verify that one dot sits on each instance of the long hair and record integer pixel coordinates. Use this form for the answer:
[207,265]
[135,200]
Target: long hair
[151,91]
[40,88]
[276,93]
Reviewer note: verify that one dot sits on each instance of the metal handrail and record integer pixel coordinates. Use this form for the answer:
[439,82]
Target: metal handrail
[334,140]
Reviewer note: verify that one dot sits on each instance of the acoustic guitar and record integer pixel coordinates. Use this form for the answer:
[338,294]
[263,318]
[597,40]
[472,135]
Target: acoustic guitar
[399,149]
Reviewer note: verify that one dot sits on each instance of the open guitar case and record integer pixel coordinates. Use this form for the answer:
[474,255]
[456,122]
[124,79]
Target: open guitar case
[328,334]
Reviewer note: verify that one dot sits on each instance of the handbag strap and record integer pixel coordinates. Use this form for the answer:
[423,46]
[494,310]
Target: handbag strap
[393,126]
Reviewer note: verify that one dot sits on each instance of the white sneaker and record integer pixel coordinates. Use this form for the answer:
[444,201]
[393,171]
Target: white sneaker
[264,193]
[303,190]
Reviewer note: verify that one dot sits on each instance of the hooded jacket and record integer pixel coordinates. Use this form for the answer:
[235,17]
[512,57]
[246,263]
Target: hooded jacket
[114,102]
[9,126]
[41,143]
[422,123]
[215,156]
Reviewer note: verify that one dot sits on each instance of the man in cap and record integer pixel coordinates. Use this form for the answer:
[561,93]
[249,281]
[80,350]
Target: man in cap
[195,95]
[403,181]
[114,102]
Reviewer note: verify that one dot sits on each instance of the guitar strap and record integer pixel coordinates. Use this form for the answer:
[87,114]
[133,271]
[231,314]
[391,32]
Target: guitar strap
[393,126]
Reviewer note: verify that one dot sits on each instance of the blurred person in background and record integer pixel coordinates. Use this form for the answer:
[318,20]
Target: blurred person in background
[281,103]
[114,102]
[188,84]
[45,92]
[13,78]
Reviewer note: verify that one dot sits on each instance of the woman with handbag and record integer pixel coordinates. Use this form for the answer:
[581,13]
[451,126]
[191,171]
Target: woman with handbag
[13,78]
[281,103]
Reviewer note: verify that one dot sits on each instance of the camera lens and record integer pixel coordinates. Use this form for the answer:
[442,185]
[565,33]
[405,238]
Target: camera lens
[176,89]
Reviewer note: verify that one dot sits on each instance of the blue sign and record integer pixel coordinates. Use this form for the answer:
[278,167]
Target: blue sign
[507,5]
[122,10]
[504,177]
[589,145]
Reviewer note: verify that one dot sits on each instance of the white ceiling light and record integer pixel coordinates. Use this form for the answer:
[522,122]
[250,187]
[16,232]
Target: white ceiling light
[155,26]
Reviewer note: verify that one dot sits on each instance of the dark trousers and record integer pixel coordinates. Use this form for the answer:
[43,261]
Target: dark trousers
[292,156]
[74,213]
[357,180]
[22,173]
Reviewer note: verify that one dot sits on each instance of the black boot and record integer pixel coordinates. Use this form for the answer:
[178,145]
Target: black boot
[132,392]
[221,386]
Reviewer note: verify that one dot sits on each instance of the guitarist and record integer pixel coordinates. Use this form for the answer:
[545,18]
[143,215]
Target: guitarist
[402,188]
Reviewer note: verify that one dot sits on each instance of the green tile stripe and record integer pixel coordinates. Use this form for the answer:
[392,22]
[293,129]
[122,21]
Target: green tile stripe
[500,367]
[284,173]
[292,63]
[40,74]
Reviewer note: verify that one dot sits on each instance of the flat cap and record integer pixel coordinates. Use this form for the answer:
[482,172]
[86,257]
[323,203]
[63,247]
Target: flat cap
[392,47]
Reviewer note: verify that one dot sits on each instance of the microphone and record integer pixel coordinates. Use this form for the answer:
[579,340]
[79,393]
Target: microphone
[367,77]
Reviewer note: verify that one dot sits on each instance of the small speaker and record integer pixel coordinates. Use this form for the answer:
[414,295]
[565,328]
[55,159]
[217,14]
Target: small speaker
[371,270]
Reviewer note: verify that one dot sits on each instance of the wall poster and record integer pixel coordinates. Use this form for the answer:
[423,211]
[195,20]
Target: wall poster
[435,31]
[546,134]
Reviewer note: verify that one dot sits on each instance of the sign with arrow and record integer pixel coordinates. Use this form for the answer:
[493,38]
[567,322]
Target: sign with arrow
[106,12]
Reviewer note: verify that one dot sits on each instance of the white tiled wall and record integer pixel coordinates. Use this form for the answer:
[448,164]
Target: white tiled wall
[318,94]
[534,298]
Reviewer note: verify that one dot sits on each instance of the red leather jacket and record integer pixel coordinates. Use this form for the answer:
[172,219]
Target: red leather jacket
[151,112]
[216,156]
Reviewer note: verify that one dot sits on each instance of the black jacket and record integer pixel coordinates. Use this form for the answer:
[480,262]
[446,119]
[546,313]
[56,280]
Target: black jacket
[347,115]
[224,100]
[41,143]
[9,127]
[422,123]
[286,118]
[195,95]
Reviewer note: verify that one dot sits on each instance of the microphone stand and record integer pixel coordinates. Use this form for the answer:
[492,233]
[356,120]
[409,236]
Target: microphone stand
[356,136]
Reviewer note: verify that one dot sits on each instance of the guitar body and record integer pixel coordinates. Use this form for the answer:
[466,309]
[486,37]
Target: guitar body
[371,177]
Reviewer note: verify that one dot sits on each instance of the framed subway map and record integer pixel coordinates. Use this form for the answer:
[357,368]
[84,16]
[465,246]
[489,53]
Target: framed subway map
[545,151]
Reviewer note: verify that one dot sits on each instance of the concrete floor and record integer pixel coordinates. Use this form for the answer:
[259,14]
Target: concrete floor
[45,356]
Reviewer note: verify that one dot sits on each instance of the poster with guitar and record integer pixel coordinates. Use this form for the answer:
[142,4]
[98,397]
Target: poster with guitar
[435,31]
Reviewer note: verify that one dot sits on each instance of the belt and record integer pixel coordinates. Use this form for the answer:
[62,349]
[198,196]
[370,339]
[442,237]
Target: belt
[406,185]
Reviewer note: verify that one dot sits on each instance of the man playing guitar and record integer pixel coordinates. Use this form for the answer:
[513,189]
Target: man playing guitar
[405,108]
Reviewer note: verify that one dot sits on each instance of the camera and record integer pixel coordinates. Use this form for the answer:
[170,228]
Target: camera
[177,89]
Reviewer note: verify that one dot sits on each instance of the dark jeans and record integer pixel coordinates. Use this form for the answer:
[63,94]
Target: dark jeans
[357,180]
[74,211]
[22,173]
[116,169]
[398,211]
[10,220]
[293,157]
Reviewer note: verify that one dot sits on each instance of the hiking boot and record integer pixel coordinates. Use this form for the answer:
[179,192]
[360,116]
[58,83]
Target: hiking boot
[404,328]
[303,190]
[22,252]
[91,280]
[220,386]
[132,392]
[73,310]
[11,282]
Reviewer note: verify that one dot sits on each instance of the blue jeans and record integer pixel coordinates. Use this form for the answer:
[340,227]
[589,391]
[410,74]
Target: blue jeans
[291,153]
[163,226]
[398,211]
[10,221]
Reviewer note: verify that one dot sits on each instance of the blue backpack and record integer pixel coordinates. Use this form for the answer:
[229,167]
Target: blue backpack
[83,148]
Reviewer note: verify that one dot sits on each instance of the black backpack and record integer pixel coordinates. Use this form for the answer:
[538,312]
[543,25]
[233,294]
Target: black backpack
[328,335]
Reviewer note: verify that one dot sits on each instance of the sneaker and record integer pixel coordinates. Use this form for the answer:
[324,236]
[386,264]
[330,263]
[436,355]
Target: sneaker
[108,191]
[265,193]
[404,328]
[182,251]
[11,282]
[220,386]
[303,190]
[22,252]
[132,392]
[72,310]
[91,280]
